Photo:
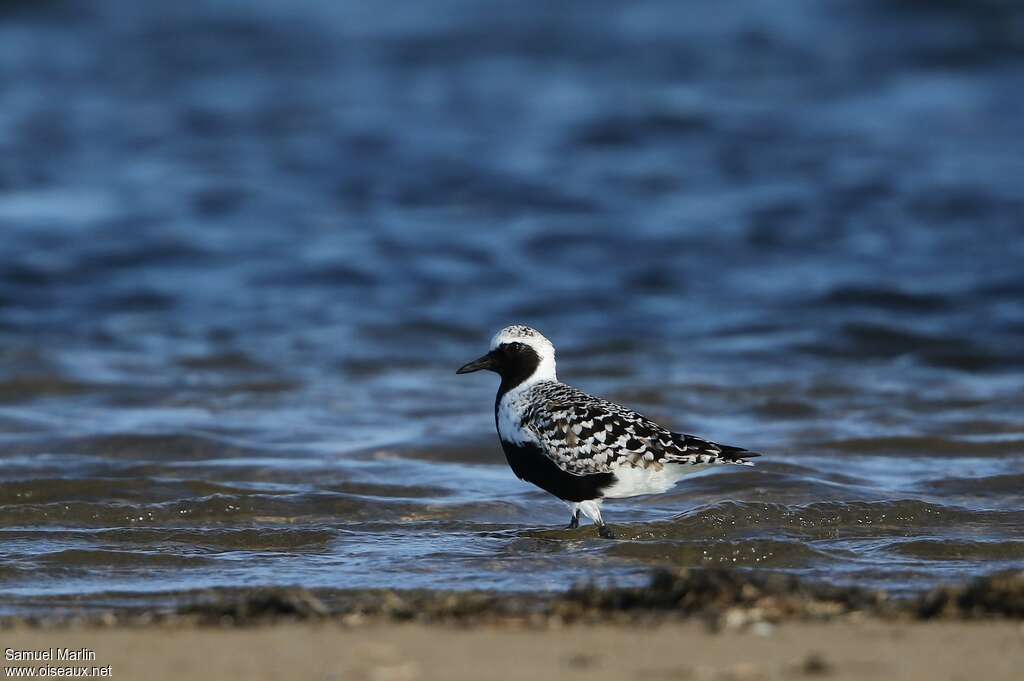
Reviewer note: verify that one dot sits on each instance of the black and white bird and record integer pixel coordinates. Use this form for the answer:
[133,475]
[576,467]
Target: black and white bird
[581,448]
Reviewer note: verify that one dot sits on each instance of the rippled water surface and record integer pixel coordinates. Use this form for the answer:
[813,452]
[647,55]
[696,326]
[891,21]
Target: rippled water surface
[245,246]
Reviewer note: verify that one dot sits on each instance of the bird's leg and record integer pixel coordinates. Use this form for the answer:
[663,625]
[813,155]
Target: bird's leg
[602,529]
[592,509]
[574,519]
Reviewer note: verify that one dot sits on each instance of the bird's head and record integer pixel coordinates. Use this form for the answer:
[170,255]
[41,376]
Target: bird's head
[519,355]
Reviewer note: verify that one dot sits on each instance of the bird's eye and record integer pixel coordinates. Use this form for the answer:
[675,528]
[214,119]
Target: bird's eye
[515,347]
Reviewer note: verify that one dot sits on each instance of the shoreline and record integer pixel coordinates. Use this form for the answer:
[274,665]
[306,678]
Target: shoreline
[718,597]
[685,625]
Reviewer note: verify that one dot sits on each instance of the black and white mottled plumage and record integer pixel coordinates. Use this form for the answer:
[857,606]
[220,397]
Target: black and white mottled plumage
[581,448]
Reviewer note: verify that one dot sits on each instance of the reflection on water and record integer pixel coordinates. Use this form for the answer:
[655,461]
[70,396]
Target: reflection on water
[245,247]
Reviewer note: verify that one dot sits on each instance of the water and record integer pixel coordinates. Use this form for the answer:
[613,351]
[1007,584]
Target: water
[246,245]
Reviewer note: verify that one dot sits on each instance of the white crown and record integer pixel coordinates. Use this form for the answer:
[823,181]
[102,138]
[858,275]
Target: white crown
[517,333]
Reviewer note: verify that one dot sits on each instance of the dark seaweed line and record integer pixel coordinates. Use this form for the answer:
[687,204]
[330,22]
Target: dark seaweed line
[710,595]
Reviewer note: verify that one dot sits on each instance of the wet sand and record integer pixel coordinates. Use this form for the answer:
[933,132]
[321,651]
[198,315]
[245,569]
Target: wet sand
[671,650]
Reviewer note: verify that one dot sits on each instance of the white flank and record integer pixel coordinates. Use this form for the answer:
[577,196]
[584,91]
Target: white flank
[632,481]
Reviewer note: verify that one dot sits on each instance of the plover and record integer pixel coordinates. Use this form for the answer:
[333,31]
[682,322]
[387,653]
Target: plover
[581,448]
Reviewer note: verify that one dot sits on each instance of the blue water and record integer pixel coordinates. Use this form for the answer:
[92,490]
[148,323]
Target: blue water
[245,246]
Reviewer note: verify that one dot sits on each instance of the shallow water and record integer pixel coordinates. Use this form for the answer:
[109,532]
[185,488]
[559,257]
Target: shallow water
[245,247]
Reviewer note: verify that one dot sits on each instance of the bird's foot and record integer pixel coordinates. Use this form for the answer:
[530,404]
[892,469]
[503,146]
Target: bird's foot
[574,520]
[605,532]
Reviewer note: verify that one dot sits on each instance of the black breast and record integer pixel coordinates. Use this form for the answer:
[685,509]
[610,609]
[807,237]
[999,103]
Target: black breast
[530,464]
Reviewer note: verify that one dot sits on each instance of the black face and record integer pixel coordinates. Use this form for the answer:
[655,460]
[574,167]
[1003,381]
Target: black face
[514,362]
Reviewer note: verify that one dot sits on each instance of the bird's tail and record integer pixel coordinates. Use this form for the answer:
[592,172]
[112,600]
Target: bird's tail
[705,451]
[737,455]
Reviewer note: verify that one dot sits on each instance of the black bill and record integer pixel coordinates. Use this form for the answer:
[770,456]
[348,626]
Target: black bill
[485,362]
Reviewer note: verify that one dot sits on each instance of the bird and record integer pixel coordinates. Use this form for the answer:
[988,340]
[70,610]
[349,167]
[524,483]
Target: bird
[580,448]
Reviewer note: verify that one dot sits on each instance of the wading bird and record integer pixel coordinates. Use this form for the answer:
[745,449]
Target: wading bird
[581,448]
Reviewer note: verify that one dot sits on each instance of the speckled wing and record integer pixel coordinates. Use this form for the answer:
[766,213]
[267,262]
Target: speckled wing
[583,434]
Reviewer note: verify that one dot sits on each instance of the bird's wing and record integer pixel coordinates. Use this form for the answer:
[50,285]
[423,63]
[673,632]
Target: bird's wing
[583,434]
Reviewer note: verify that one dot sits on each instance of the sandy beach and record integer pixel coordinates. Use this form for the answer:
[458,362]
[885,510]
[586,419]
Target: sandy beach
[681,650]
